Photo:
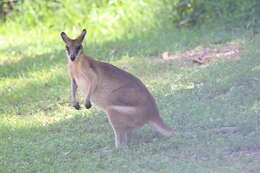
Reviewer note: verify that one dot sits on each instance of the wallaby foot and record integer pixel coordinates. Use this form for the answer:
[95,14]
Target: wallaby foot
[121,138]
[76,106]
[88,104]
[129,134]
[120,125]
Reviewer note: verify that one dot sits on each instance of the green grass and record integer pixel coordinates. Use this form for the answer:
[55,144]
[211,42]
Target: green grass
[41,132]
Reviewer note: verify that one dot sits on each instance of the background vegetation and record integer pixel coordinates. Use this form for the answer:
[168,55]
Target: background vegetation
[115,17]
[214,108]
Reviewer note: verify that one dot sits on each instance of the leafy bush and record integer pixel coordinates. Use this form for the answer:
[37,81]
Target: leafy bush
[191,12]
[114,18]
[6,8]
[103,17]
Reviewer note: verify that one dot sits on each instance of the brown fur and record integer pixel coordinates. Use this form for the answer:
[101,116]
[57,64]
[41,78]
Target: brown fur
[124,98]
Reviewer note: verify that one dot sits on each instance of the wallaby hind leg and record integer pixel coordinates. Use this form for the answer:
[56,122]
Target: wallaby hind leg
[119,124]
[121,138]
[129,134]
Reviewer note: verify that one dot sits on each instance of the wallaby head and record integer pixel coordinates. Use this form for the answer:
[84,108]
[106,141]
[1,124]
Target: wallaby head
[73,46]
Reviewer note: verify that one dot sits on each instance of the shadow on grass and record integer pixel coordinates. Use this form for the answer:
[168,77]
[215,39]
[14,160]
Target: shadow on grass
[31,64]
[35,95]
[146,44]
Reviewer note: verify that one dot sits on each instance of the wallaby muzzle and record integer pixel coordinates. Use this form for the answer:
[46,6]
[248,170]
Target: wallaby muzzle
[72,57]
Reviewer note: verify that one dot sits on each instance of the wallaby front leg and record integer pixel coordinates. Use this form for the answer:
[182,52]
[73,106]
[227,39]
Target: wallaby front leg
[91,89]
[87,101]
[74,87]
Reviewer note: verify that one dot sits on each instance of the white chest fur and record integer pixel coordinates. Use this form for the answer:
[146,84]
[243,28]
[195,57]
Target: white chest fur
[80,77]
[83,84]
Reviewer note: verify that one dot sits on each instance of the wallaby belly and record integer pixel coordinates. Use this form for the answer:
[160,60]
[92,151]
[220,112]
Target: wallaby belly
[83,84]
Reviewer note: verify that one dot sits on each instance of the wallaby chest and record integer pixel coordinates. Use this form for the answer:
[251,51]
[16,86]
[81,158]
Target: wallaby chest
[79,74]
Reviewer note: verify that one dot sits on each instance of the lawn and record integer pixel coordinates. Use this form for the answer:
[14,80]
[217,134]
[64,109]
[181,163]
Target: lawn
[214,108]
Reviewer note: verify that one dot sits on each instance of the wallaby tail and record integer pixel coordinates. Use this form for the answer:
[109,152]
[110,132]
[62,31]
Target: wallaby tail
[161,127]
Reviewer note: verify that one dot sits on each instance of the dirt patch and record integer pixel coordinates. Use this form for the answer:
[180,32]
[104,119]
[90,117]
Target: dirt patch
[204,55]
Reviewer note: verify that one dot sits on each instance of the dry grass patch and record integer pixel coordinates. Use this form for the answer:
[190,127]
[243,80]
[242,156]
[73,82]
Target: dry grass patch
[204,55]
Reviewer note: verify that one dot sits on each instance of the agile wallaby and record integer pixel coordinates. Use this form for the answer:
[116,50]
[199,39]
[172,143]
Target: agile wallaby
[124,97]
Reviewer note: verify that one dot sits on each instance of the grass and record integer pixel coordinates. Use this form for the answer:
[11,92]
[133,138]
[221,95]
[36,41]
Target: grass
[41,132]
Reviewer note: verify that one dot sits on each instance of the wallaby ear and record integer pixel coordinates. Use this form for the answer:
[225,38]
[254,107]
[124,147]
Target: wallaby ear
[64,37]
[82,35]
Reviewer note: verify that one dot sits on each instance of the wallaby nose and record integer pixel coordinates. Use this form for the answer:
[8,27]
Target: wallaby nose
[72,57]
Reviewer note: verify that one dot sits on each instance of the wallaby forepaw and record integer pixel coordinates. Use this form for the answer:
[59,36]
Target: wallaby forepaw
[88,105]
[76,106]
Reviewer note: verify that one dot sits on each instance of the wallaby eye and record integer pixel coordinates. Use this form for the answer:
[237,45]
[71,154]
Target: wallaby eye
[78,48]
